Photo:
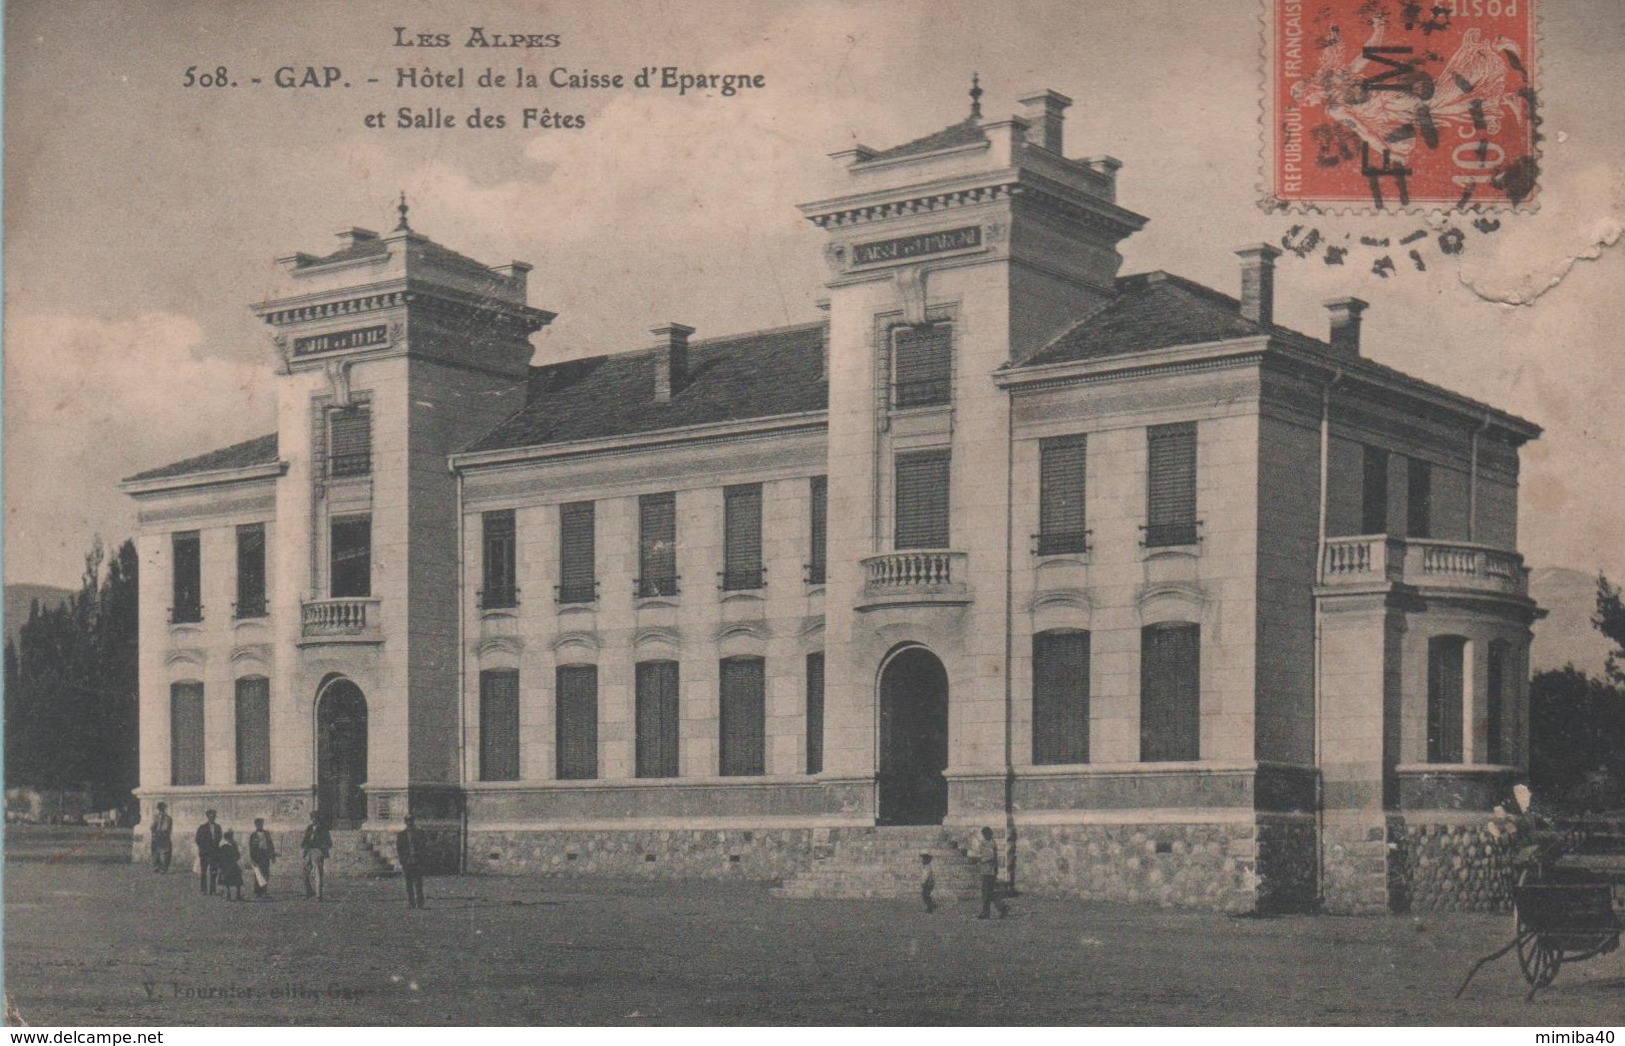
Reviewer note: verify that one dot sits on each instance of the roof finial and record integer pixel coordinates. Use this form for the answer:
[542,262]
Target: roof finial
[403,226]
[975,97]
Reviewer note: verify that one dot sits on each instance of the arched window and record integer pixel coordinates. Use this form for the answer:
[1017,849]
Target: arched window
[1446,690]
[1061,697]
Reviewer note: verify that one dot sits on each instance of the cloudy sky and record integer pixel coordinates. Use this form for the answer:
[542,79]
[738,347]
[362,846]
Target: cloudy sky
[143,216]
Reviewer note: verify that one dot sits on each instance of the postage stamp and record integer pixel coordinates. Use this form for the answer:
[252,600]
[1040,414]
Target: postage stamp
[1393,104]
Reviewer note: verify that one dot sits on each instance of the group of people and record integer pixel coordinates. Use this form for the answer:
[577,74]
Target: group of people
[985,852]
[220,859]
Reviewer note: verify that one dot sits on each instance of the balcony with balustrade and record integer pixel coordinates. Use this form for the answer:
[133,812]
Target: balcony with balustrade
[1377,560]
[917,576]
[347,620]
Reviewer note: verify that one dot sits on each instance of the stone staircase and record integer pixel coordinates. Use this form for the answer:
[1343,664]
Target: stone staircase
[361,854]
[885,862]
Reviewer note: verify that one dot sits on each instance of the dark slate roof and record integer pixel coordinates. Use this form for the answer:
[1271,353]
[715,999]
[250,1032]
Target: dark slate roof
[965,132]
[258,451]
[1152,310]
[737,378]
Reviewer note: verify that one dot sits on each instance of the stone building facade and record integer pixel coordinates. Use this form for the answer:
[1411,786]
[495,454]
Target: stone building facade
[1191,607]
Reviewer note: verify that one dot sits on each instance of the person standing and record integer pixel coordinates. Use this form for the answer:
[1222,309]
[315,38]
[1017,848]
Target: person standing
[987,861]
[261,852]
[228,860]
[208,838]
[411,850]
[163,830]
[316,845]
[928,883]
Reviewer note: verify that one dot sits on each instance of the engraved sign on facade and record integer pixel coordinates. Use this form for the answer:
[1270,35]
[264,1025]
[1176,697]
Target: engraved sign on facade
[903,247]
[334,341]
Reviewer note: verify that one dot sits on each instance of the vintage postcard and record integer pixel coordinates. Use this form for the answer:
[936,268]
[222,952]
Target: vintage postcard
[813,512]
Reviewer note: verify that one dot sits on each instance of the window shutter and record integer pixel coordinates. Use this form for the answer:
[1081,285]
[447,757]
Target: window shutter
[349,447]
[186,734]
[187,577]
[1171,485]
[254,730]
[1445,698]
[1062,525]
[817,562]
[250,570]
[351,573]
[499,725]
[500,581]
[576,722]
[657,545]
[577,574]
[922,500]
[1374,491]
[815,713]
[1061,697]
[1170,692]
[923,367]
[743,717]
[1419,500]
[1497,697]
[742,536]
[657,711]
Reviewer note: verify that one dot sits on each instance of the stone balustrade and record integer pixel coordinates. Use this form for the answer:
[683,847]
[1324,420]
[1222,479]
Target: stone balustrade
[1377,558]
[350,618]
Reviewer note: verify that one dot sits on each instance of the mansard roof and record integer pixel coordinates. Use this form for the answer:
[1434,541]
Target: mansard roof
[737,378]
[261,450]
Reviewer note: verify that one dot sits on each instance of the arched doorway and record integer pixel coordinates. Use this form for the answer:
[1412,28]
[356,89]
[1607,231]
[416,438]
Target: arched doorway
[341,753]
[913,739]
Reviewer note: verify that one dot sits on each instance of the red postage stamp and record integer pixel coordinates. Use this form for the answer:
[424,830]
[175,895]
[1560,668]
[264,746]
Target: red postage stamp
[1392,104]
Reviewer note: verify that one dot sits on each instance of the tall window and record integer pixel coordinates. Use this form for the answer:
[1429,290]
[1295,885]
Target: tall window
[1374,491]
[817,553]
[815,713]
[349,441]
[499,725]
[1171,485]
[253,730]
[1170,692]
[657,545]
[500,573]
[657,719]
[1061,697]
[744,717]
[576,722]
[1419,500]
[187,577]
[1061,519]
[350,557]
[1498,692]
[742,537]
[577,578]
[922,500]
[186,734]
[923,365]
[251,570]
[1446,693]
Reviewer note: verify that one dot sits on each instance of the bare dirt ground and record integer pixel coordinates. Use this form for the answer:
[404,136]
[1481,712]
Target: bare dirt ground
[88,942]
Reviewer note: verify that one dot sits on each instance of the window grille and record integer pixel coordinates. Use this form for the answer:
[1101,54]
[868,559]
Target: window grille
[922,499]
[1061,697]
[1170,692]
[499,725]
[254,730]
[1171,485]
[576,722]
[743,716]
[1061,520]
[657,722]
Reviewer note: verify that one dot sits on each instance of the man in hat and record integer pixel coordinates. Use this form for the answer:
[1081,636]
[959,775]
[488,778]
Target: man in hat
[162,832]
[261,852]
[207,837]
[315,846]
[411,850]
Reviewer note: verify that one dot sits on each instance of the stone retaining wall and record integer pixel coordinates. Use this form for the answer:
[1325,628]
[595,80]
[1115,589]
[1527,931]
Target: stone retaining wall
[1457,866]
[763,854]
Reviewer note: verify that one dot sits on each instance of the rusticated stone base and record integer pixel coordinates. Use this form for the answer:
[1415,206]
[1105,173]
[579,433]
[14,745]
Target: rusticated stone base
[764,854]
[1286,863]
[1459,866]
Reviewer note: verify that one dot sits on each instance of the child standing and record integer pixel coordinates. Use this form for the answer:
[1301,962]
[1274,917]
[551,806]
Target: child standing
[928,882]
[229,860]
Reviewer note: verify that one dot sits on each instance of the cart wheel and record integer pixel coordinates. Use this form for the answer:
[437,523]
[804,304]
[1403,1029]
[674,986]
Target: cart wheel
[1538,960]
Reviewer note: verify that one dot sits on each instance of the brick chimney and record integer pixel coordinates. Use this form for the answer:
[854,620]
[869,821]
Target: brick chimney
[671,360]
[1258,283]
[1345,314]
[1045,112]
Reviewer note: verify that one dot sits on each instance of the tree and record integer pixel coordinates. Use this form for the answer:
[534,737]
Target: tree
[1610,621]
[1577,723]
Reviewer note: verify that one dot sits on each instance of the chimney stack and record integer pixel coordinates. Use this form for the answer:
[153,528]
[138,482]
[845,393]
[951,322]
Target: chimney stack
[1045,112]
[671,360]
[1346,324]
[1258,283]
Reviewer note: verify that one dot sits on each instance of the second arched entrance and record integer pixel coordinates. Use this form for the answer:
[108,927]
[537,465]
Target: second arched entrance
[341,753]
[913,739]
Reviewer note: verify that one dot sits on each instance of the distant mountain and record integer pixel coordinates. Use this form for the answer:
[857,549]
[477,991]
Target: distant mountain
[1565,636]
[18,598]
